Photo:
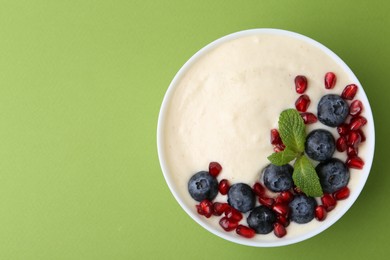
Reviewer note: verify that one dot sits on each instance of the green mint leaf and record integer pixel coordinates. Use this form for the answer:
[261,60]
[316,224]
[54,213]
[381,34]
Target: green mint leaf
[292,130]
[306,178]
[283,157]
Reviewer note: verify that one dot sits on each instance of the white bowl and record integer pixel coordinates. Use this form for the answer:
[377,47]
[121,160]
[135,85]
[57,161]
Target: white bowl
[258,242]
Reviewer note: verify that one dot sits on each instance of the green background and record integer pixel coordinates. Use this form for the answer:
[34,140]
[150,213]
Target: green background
[81,84]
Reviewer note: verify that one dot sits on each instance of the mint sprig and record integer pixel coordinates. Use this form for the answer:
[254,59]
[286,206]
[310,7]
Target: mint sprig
[292,131]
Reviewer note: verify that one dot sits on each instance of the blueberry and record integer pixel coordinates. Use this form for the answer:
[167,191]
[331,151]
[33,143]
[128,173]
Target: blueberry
[241,197]
[261,219]
[332,110]
[320,145]
[278,178]
[333,175]
[203,186]
[302,209]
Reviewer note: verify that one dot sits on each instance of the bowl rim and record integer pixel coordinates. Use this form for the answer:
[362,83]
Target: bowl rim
[369,128]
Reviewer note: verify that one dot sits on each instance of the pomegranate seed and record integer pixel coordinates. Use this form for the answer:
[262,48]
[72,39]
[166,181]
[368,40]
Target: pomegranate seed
[352,151]
[228,224]
[284,220]
[281,209]
[309,118]
[300,84]
[330,80]
[245,231]
[279,230]
[320,213]
[214,169]
[205,208]
[362,135]
[353,139]
[343,129]
[286,196]
[220,208]
[259,189]
[268,202]
[302,103]
[355,108]
[328,202]
[357,122]
[355,162]
[341,194]
[223,186]
[279,147]
[341,144]
[349,91]
[275,137]
[233,214]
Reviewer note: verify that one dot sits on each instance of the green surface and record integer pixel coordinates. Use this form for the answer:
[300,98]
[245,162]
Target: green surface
[81,84]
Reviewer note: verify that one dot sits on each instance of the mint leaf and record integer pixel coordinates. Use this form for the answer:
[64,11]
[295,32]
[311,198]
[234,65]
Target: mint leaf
[283,157]
[292,130]
[306,178]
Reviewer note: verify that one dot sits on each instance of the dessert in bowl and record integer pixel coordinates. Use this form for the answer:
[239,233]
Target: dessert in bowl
[221,126]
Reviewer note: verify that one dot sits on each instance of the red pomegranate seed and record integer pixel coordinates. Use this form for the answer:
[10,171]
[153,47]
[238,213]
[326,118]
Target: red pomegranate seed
[330,80]
[205,208]
[245,231]
[355,108]
[223,186]
[343,129]
[355,162]
[279,147]
[302,103]
[259,189]
[309,118]
[320,213]
[284,220]
[341,194]
[268,202]
[286,196]
[300,84]
[214,169]
[362,135]
[281,208]
[357,122]
[233,214]
[349,91]
[279,230]
[352,151]
[341,144]
[328,201]
[219,208]
[275,137]
[228,224]
[353,139]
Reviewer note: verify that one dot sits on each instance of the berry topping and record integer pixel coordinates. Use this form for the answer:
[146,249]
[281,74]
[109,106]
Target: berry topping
[349,92]
[300,84]
[309,118]
[302,103]
[302,209]
[203,186]
[332,110]
[215,168]
[320,145]
[330,80]
[261,219]
[241,197]
[278,178]
[333,175]
[223,186]
[245,231]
